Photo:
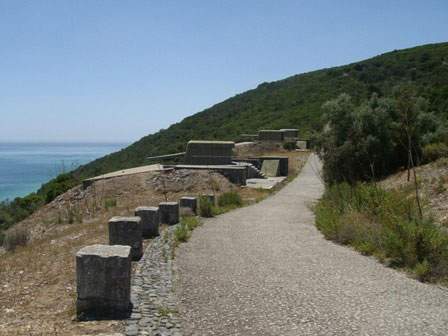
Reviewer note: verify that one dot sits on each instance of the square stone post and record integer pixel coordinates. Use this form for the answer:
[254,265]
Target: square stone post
[190,203]
[150,220]
[127,231]
[103,282]
[169,212]
[211,198]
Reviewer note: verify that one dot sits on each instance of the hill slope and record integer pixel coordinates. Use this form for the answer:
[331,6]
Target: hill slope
[294,102]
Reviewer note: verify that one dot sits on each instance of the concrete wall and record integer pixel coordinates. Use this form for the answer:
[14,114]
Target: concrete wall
[270,135]
[209,152]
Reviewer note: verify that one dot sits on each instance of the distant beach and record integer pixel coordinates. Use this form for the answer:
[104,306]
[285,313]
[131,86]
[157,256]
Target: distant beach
[24,167]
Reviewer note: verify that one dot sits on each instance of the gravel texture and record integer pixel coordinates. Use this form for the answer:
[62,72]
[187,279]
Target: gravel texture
[152,293]
[266,270]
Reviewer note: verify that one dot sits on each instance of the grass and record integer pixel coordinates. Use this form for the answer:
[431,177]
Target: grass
[384,224]
[183,231]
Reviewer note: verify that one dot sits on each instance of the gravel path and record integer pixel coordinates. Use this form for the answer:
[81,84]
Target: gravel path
[266,270]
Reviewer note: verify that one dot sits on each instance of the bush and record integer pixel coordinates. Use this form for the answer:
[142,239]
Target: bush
[181,233]
[15,237]
[110,203]
[435,151]
[385,224]
[230,199]
[289,146]
[205,207]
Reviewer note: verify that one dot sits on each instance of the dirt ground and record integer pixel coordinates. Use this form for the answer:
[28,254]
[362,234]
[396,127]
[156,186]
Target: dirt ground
[37,281]
[433,184]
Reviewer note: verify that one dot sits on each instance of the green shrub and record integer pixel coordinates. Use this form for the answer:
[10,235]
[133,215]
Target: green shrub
[15,237]
[110,203]
[191,222]
[385,224]
[435,151]
[181,233]
[230,199]
[289,146]
[205,207]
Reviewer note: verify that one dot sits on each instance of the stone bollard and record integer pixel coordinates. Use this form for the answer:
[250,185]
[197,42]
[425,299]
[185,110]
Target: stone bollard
[210,198]
[103,281]
[169,213]
[150,221]
[190,203]
[127,231]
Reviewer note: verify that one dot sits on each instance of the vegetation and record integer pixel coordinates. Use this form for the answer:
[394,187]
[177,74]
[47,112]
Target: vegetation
[206,208]
[378,137]
[183,230]
[385,224]
[292,102]
[230,199]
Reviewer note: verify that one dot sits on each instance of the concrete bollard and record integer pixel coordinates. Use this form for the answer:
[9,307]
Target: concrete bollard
[211,198]
[150,221]
[127,231]
[103,282]
[190,203]
[169,213]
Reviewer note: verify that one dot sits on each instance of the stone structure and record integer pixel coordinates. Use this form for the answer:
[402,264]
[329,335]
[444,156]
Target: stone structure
[127,231]
[150,221]
[103,278]
[270,135]
[211,198]
[209,152]
[169,212]
[235,174]
[190,203]
[270,168]
[301,144]
[283,163]
[290,133]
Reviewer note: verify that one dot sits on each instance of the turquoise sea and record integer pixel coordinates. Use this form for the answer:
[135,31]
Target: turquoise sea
[25,166]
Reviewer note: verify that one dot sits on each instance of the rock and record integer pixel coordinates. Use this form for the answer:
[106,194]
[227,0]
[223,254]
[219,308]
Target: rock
[103,276]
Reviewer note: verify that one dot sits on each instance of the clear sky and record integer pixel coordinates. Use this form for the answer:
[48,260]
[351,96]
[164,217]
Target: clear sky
[97,70]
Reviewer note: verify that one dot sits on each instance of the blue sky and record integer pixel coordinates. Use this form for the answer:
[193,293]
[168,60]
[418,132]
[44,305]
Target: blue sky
[96,70]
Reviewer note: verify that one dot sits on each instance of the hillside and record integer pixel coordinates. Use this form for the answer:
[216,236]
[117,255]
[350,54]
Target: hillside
[294,102]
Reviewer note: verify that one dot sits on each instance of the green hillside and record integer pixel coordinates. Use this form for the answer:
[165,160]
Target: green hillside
[294,102]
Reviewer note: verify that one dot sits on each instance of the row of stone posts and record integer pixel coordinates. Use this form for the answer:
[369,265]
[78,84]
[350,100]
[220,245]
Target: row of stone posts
[103,272]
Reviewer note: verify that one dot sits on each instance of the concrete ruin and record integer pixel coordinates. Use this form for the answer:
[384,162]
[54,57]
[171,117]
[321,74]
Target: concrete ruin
[270,135]
[209,152]
[150,221]
[103,282]
[283,163]
[290,134]
[169,212]
[233,173]
[127,231]
[189,203]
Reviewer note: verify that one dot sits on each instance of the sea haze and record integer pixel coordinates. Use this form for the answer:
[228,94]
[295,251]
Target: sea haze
[24,167]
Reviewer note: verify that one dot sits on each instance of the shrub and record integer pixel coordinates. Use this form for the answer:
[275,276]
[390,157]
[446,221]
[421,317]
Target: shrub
[205,207]
[230,199]
[181,233]
[385,224]
[15,237]
[191,222]
[435,151]
[289,146]
[110,203]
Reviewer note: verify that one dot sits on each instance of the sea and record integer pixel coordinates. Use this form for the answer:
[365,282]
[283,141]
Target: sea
[24,167]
